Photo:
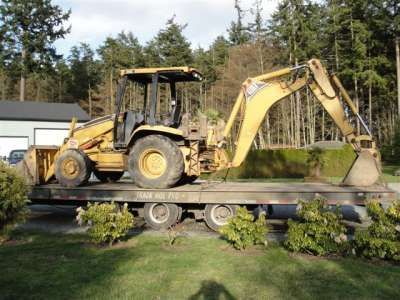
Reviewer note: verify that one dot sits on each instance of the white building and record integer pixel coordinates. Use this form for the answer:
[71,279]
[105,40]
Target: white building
[35,123]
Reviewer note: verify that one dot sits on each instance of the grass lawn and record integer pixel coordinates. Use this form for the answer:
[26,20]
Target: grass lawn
[388,173]
[144,267]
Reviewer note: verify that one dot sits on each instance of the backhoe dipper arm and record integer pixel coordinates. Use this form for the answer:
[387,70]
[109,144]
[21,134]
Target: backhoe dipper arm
[260,93]
[256,107]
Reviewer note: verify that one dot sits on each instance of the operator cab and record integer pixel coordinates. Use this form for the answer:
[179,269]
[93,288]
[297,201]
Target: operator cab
[149,81]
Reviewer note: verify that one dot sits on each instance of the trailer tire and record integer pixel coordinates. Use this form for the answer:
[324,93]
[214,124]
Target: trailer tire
[161,215]
[108,176]
[155,161]
[73,168]
[217,215]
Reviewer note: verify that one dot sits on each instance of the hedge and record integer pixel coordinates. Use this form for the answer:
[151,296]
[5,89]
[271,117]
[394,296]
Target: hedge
[13,200]
[290,163]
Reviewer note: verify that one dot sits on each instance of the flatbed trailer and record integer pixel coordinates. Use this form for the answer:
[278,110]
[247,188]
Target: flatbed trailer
[213,201]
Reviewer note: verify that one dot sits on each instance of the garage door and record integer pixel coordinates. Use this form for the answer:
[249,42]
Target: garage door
[12,143]
[50,136]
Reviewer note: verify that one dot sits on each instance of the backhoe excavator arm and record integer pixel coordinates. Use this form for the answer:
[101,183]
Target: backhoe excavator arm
[260,93]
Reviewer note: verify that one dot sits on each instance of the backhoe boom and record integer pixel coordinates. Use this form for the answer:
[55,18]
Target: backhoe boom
[260,93]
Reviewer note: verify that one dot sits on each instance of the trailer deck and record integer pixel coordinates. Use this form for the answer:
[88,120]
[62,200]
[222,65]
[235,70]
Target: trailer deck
[205,192]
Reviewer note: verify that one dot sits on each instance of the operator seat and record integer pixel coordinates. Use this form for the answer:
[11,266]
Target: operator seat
[132,119]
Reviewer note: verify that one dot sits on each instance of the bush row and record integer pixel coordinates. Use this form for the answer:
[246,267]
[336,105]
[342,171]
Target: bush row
[319,231]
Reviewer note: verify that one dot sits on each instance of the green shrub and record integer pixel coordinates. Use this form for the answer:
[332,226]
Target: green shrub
[242,231]
[107,221]
[382,238]
[13,200]
[319,230]
[315,161]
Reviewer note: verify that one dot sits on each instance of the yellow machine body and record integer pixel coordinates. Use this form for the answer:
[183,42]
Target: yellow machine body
[202,144]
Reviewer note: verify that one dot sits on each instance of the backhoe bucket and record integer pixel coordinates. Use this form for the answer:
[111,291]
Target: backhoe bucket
[365,170]
[36,164]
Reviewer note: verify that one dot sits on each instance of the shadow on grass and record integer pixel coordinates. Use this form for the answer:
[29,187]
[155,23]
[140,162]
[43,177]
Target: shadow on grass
[58,267]
[212,290]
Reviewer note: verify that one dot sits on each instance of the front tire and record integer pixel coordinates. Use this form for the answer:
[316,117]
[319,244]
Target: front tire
[73,168]
[155,161]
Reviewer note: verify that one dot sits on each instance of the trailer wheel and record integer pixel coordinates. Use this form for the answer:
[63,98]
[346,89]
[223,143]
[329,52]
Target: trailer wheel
[108,176]
[217,215]
[161,215]
[155,161]
[73,168]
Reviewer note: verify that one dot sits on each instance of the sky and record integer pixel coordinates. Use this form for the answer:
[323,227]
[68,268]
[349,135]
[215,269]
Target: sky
[93,20]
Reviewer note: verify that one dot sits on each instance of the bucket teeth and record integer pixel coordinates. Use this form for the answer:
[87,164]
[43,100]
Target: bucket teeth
[365,170]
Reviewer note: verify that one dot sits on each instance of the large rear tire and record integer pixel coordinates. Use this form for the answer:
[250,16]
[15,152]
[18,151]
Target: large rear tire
[155,161]
[73,168]
[108,176]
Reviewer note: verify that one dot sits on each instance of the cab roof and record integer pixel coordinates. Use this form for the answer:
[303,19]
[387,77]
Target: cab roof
[168,74]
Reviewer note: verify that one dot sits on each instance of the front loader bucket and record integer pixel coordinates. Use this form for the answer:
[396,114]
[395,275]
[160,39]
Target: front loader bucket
[365,170]
[36,164]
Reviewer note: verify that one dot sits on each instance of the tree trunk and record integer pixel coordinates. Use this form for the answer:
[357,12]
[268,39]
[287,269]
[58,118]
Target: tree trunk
[90,101]
[323,125]
[22,82]
[357,103]
[111,92]
[398,72]
[370,105]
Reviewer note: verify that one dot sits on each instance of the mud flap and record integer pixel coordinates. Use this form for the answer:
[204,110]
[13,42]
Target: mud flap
[365,170]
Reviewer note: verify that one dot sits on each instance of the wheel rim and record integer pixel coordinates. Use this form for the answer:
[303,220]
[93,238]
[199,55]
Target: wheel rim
[159,213]
[220,214]
[70,168]
[152,163]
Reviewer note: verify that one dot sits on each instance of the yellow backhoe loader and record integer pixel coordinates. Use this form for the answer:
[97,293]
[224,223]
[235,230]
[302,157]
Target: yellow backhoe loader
[161,153]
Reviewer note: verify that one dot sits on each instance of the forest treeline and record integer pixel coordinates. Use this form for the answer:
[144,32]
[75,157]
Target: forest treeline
[354,38]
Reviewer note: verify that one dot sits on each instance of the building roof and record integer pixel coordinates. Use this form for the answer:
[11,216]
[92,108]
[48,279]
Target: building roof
[41,111]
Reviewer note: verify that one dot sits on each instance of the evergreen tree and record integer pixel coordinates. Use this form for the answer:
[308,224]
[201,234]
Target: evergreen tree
[295,28]
[62,78]
[119,53]
[209,61]
[237,31]
[170,47]
[257,28]
[151,54]
[219,50]
[84,72]
[29,29]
